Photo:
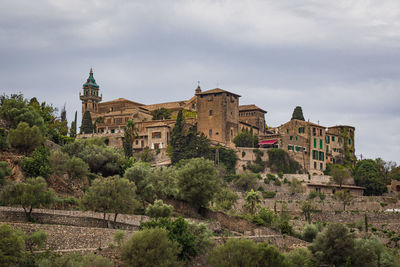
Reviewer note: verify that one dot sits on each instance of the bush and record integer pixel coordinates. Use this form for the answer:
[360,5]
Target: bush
[12,246]
[159,210]
[25,138]
[280,161]
[5,171]
[246,181]
[226,198]
[312,195]
[310,231]
[268,194]
[301,257]
[150,247]
[3,139]
[38,164]
[242,252]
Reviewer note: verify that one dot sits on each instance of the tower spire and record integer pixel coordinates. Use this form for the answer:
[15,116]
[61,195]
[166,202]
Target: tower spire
[198,89]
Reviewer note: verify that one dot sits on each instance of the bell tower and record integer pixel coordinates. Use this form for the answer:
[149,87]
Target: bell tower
[90,98]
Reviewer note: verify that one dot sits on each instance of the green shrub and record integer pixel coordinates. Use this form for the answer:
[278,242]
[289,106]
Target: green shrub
[38,164]
[260,188]
[268,194]
[312,195]
[159,210]
[310,231]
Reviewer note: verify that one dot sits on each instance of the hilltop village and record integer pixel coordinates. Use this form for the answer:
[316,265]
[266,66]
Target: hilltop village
[217,114]
[197,182]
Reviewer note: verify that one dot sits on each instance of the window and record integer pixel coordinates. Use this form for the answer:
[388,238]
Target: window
[321,166]
[327,139]
[231,133]
[156,146]
[137,142]
[287,130]
[320,144]
[291,137]
[156,135]
[296,138]
[118,120]
[327,148]
[333,139]
[313,131]
[108,121]
[315,165]
[349,141]
[210,112]
[320,132]
[210,133]
[315,142]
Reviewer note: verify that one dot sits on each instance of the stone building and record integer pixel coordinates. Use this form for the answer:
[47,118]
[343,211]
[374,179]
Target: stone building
[215,112]
[305,142]
[252,116]
[340,144]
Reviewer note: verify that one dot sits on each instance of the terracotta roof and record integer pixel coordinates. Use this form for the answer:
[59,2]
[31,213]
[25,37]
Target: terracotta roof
[215,91]
[122,100]
[336,185]
[167,105]
[250,107]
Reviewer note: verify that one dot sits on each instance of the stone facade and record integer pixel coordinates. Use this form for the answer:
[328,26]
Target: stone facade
[253,116]
[340,144]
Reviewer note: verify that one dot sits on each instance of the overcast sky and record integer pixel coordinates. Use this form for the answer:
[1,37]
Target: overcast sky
[339,60]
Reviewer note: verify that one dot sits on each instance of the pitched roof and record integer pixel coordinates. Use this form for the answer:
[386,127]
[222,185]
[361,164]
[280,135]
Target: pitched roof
[122,100]
[167,105]
[250,107]
[215,91]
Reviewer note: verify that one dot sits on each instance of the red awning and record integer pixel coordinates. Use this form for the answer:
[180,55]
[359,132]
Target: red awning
[268,142]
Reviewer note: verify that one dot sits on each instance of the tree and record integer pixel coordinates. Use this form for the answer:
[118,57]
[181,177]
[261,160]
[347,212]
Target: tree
[139,173]
[235,253]
[130,134]
[15,109]
[177,139]
[246,181]
[252,200]
[111,195]
[25,138]
[243,252]
[310,231]
[5,171]
[12,246]
[300,257]
[159,210]
[394,174]
[280,161]
[246,138]
[306,209]
[76,168]
[198,181]
[29,195]
[87,124]
[344,196]
[340,174]
[73,129]
[366,174]
[3,139]
[385,167]
[150,247]
[333,246]
[38,164]
[161,114]
[63,114]
[297,114]
[226,198]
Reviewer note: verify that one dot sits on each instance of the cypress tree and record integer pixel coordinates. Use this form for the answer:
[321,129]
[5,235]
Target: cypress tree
[177,138]
[87,124]
[298,114]
[72,132]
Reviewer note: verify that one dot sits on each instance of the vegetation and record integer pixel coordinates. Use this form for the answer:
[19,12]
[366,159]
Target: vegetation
[258,165]
[226,198]
[345,197]
[5,171]
[198,181]
[246,138]
[366,174]
[111,195]
[29,195]
[246,181]
[87,124]
[280,161]
[11,246]
[339,174]
[192,239]
[242,252]
[252,200]
[159,210]
[161,114]
[25,138]
[150,247]
[38,164]
[297,114]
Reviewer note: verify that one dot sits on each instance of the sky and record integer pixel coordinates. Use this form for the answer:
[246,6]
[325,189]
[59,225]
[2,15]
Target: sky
[338,60]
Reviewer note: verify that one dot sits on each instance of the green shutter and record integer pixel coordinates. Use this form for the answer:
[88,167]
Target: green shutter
[320,144]
[315,142]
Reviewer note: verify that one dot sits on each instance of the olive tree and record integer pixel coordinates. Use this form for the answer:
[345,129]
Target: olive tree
[31,194]
[111,195]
